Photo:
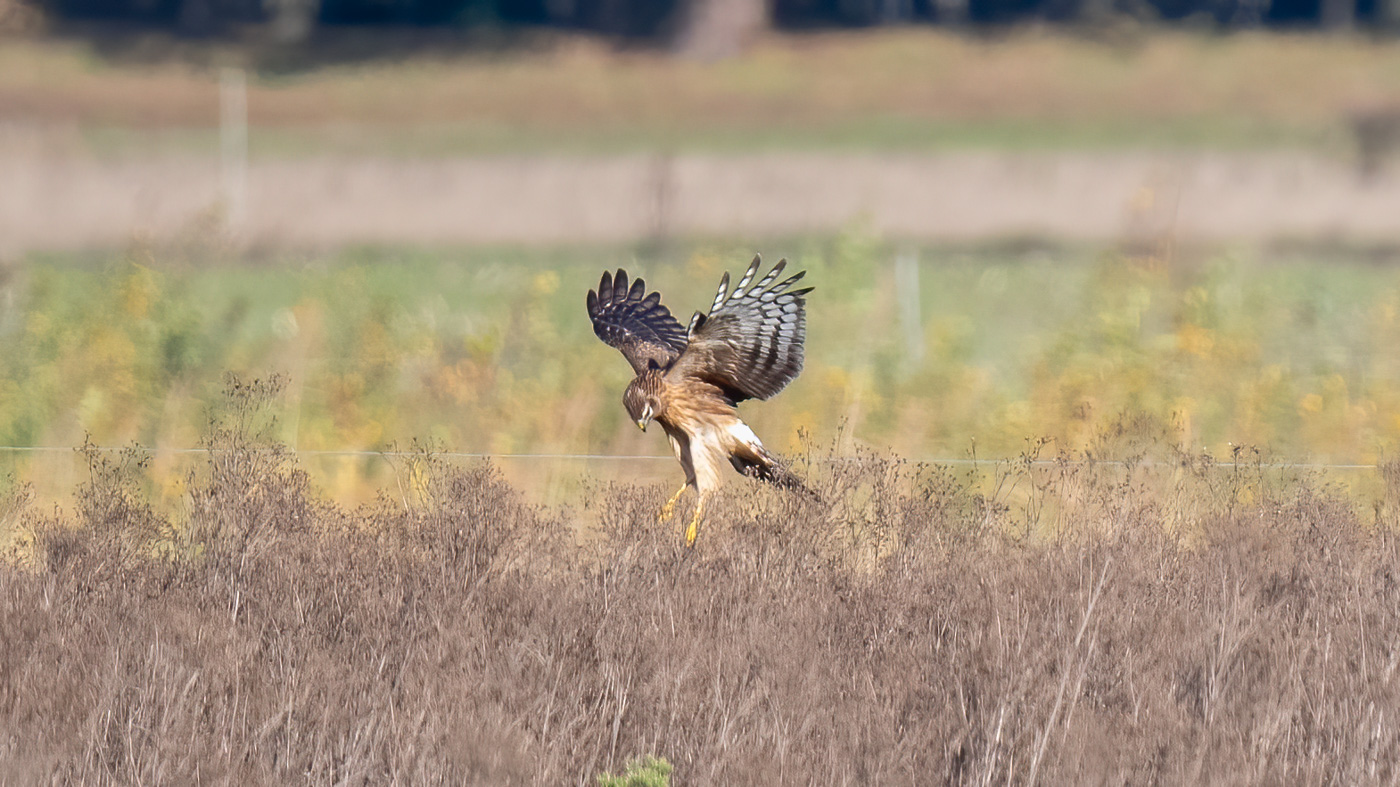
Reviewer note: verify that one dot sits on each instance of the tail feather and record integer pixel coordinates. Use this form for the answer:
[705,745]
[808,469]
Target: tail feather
[765,467]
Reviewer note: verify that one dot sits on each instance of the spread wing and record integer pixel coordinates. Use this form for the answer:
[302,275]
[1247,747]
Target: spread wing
[634,322]
[750,344]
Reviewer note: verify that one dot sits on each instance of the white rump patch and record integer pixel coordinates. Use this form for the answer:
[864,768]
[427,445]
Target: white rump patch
[741,432]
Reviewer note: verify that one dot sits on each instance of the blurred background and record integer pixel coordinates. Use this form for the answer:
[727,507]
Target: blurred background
[1027,221]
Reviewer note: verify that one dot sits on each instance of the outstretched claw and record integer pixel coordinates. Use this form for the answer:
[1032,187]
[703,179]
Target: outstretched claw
[692,531]
[669,510]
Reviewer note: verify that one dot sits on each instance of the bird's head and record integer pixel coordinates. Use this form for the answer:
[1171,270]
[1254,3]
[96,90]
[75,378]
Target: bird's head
[641,403]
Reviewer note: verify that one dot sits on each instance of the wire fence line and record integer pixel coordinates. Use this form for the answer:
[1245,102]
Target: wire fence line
[396,453]
[350,452]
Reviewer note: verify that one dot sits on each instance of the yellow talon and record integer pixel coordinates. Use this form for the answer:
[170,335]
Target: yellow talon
[668,510]
[693,530]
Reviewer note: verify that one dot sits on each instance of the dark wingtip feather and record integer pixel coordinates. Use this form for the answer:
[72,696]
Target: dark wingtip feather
[605,288]
[626,317]
[789,281]
[763,325]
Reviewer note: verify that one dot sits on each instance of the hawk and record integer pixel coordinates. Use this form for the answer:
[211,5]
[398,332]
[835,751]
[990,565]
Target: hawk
[689,380]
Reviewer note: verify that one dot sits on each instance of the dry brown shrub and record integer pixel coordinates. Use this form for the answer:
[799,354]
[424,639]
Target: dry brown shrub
[1146,617]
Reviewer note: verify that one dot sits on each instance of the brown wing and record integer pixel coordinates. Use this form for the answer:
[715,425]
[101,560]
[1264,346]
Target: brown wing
[634,322]
[750,345]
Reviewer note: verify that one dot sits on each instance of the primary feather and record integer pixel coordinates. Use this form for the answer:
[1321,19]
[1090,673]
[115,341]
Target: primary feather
[751,342]
[634,322]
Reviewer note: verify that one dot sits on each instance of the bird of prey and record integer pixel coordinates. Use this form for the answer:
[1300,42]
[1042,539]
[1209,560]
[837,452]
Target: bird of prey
[689,379]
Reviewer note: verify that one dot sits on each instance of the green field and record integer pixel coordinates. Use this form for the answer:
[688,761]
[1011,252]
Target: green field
[214,613]
[490,351]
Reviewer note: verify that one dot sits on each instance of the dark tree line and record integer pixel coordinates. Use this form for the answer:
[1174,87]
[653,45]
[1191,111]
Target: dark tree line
[711,27]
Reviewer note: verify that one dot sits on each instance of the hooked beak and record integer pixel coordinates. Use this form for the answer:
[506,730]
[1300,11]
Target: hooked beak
[642,424]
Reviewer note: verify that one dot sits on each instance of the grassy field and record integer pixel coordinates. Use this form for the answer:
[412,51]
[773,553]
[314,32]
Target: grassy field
[1174,622]
[1069,527]
[489,351]
[913,89]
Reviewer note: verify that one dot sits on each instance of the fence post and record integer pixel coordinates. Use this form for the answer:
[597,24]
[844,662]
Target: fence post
[233,145]
[906,285]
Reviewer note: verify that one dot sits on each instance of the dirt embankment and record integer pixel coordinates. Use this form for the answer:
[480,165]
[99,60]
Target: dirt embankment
[54,201]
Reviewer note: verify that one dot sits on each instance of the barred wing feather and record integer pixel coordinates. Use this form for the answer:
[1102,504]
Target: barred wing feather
[634,322]
[750,344]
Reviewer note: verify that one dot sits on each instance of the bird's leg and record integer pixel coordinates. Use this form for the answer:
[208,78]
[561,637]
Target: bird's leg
[670,508]
[690,532]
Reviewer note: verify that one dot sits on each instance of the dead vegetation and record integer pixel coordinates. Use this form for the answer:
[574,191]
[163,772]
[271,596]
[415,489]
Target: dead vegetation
[1139,617]
[564,87]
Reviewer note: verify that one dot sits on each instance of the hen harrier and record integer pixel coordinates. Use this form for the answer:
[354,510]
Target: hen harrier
[690,379]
